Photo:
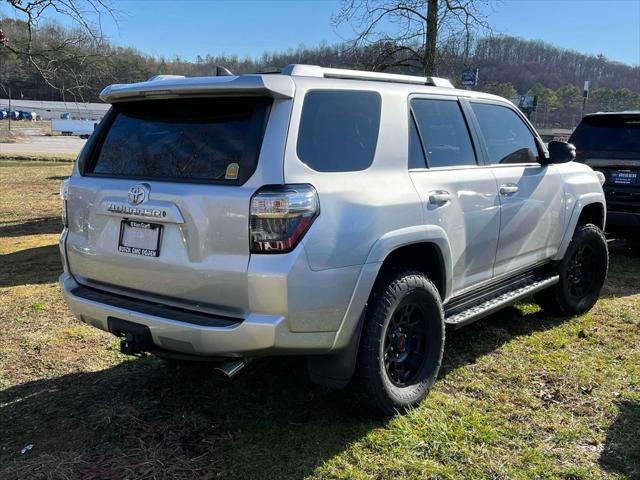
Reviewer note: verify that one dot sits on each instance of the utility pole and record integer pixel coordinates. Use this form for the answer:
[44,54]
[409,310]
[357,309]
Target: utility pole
[9,109]
[585,96]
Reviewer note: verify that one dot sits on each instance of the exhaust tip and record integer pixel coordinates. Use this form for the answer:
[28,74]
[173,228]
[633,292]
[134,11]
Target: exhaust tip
[231,368]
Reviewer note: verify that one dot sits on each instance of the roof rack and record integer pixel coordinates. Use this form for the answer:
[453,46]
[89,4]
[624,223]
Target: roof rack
[320,72]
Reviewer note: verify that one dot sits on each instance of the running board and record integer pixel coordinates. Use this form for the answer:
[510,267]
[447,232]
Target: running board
[496,303]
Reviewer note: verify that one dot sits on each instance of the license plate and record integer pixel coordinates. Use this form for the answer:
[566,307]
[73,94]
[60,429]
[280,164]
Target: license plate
[140,238]
[624,177]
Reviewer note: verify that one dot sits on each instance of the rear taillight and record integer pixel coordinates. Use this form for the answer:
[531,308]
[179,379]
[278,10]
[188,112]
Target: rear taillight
[280,216]
[64,193]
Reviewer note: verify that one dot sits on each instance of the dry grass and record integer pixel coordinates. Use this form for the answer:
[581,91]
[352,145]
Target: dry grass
[520,396]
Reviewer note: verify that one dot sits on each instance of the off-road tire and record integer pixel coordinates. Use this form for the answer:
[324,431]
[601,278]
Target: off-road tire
[561,299]
[395,293]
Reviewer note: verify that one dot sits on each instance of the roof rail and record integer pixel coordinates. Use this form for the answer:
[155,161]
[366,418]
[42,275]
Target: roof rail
[320,72]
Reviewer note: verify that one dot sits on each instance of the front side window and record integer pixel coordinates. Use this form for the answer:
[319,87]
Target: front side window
[339,130]
[506,136]
[444,133]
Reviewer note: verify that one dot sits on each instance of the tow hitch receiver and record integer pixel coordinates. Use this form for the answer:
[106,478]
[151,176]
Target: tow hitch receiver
[130,345]
[135,338]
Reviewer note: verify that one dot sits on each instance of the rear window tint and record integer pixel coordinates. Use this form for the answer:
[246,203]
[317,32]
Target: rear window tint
[210,140]
[339,130]
[614,133]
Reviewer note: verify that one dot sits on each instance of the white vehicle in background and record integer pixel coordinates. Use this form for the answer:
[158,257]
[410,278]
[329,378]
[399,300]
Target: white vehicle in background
[67,127]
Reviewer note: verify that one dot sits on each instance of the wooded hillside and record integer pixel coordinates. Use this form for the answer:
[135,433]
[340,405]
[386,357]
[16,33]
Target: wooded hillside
[508,66]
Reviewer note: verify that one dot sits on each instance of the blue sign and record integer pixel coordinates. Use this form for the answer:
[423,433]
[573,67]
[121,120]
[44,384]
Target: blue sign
[470,77]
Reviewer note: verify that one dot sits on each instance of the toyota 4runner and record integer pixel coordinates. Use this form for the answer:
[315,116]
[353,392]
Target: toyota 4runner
[342,215]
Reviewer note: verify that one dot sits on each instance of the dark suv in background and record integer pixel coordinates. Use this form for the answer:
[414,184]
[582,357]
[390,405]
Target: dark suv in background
[610,143]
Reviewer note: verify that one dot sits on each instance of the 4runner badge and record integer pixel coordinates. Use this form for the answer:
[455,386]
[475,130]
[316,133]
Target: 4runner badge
[138,194]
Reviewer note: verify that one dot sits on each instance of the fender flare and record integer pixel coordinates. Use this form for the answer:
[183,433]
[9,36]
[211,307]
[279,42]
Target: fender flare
[336,368]
[581,202]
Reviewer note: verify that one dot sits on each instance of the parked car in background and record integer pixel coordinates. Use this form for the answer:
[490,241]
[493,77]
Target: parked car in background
[28,116]
[81,128]
[610,143]
[342,215]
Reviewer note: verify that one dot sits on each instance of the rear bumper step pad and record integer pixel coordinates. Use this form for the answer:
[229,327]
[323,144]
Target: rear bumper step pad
[155,309]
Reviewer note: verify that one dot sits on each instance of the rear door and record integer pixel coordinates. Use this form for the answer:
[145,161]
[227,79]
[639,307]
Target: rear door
[457,193]
[531,195]
[161,206]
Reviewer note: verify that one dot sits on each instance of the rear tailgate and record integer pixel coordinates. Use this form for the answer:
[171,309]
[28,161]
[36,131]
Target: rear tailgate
[161,208]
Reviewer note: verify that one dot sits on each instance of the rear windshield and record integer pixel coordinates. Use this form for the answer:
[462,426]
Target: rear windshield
[205,140]
[614,133]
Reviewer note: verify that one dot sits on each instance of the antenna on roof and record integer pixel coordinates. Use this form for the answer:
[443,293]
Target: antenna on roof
[223,72]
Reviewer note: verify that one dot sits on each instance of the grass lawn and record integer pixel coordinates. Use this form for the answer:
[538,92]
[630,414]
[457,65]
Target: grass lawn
[521,395]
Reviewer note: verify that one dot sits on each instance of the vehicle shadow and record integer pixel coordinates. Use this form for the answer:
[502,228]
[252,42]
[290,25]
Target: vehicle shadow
[466,345]
[147,417]
[624,269]
[30,266]
[621,451]
[36,226]
[151,420]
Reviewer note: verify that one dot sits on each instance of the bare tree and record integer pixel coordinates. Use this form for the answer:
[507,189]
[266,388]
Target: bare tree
[58,54]
[410,33]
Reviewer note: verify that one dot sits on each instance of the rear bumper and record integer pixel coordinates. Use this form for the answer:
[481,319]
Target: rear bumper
[255,335]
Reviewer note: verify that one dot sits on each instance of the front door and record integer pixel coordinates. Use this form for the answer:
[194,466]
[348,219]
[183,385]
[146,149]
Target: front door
[531,195]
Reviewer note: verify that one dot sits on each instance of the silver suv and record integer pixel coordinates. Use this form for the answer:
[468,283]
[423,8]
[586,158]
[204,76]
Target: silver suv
[342,215]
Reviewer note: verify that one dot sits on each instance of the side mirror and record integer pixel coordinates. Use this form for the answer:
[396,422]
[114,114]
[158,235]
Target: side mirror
[561,152]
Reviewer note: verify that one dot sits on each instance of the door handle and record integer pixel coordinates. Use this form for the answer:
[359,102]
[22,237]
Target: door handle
[439,197]
[508,189]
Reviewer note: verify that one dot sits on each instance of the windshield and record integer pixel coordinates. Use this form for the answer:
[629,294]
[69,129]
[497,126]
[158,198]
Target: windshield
[617,133]
[205,139]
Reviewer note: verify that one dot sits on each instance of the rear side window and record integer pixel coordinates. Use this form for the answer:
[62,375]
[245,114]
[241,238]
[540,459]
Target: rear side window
[613,133]
[506,136]
[339,130]
[444,133]
[205,140]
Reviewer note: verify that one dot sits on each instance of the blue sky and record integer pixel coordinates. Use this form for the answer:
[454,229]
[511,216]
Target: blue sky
[249,27]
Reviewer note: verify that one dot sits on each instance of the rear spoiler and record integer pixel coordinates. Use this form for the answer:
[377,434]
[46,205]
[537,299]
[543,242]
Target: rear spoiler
[173,86]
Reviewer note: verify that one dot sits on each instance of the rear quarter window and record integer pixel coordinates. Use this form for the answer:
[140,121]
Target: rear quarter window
[201,140]
[339,130]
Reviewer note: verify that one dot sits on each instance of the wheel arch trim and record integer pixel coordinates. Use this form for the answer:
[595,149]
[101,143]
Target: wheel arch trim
[379,251]
[580,203]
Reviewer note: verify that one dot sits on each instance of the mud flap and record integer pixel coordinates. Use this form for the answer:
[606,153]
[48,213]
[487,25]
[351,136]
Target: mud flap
[336,370]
